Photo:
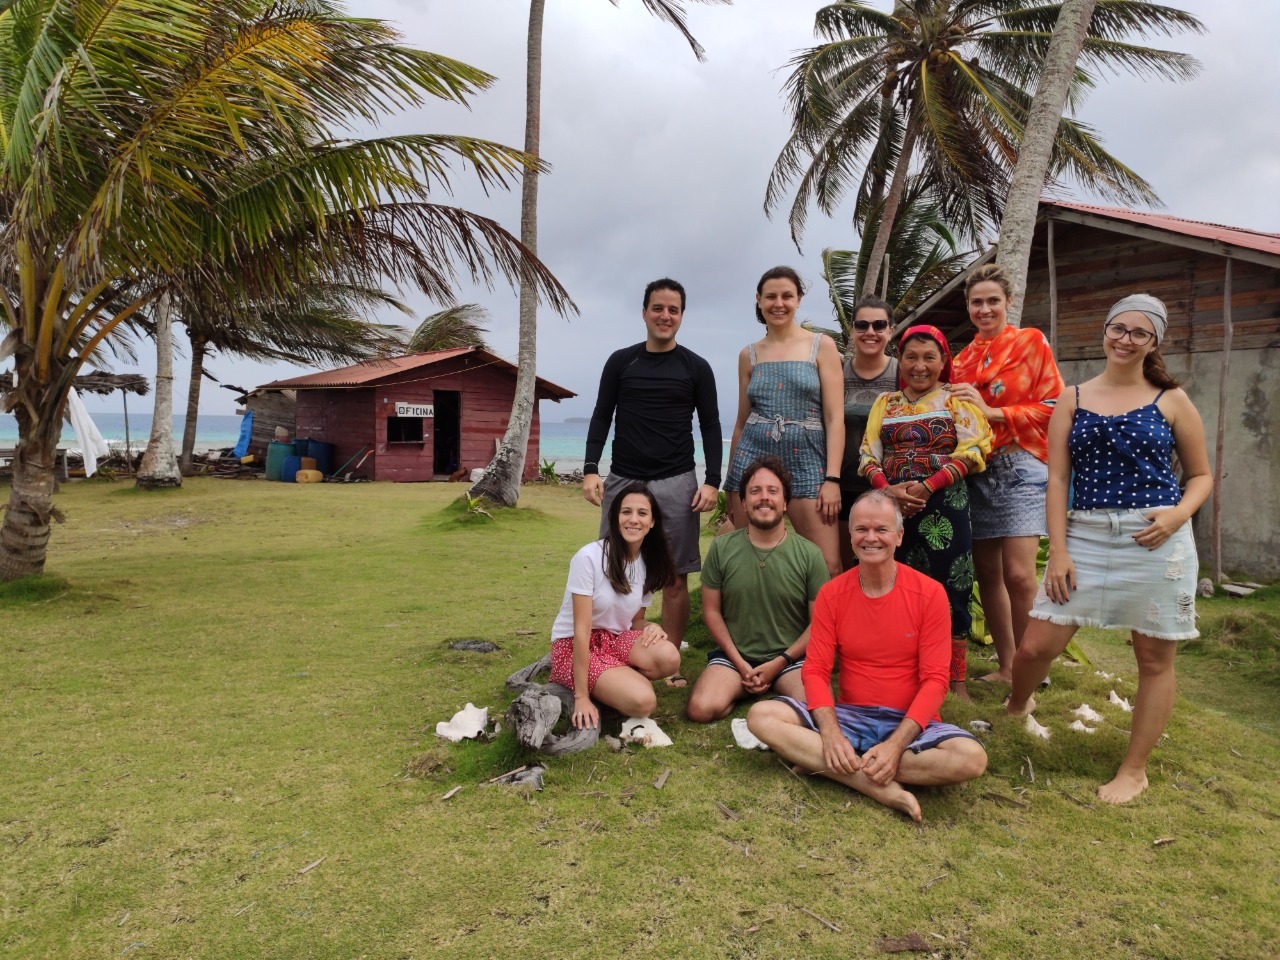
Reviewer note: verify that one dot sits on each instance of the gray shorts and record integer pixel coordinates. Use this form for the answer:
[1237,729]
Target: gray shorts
[674,496]
[1007,499]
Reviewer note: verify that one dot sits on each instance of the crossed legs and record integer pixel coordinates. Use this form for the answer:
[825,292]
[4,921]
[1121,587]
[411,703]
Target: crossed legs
[719,687]
[952,761]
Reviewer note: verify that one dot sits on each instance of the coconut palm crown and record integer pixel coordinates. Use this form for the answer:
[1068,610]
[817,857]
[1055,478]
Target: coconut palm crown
[943,87]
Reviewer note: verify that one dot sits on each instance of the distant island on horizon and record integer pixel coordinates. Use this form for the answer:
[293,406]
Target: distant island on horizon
[576,420]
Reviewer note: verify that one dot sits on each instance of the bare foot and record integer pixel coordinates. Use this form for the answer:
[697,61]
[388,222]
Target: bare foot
[892,795]
[958,689]
[999,676]
[897,797]
[1125,787]
[1022,711]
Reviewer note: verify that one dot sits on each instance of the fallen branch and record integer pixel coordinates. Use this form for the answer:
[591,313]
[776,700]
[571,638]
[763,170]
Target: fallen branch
[1001,798]
[826,923]
[727,812]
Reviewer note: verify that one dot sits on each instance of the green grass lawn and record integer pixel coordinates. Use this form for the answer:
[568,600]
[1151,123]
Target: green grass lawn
[217,687]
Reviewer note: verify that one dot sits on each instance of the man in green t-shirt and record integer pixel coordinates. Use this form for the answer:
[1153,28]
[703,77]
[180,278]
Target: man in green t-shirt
[758,589]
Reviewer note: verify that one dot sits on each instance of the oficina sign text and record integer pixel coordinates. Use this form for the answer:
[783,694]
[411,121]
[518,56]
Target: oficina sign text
[425,410]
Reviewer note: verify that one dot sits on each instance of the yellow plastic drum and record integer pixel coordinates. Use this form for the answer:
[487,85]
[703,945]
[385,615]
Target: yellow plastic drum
[309,476]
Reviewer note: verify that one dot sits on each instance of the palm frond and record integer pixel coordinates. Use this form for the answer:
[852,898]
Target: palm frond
[459,326]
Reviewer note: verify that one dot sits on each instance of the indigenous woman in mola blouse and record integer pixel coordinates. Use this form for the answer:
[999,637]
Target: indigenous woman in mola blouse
[1010,375]
[920,444]
[1123,556]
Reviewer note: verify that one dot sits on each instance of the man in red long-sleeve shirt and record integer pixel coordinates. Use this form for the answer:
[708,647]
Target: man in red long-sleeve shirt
[890,627]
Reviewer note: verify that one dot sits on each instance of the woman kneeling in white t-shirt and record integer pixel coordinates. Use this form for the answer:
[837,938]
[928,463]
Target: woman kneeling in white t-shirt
[601,646]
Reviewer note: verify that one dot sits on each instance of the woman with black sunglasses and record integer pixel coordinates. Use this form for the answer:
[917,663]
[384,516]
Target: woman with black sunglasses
[868,372]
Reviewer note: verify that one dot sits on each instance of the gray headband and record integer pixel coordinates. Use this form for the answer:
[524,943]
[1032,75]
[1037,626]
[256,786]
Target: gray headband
[1146,305]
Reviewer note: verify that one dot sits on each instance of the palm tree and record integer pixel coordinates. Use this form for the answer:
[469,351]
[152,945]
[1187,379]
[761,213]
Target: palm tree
[941,85]
[162,139]
[328,324]
[922,252]
[451,328]
[1018,223]
[500,482]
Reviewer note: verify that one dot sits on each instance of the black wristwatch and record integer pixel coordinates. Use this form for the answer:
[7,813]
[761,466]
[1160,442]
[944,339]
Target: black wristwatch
[835,480]
[791,661]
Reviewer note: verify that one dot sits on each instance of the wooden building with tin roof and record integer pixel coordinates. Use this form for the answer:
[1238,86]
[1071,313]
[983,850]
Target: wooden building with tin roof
[1222,288]
[419,417]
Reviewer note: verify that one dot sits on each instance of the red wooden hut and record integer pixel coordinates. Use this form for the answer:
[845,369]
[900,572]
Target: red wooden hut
[419,417]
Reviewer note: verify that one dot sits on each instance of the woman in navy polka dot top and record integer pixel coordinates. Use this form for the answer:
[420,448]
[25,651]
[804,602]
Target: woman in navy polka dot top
[1124,556]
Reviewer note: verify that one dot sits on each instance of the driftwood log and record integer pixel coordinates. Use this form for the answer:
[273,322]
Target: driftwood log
[534,714]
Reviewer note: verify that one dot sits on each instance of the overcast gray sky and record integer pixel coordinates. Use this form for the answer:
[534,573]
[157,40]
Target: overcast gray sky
[660,162]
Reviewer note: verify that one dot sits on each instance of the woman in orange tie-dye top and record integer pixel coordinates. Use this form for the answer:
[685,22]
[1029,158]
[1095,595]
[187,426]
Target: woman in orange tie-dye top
[1010,375]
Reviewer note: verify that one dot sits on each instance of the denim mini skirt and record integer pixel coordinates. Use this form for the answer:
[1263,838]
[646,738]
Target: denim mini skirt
[1120,584]
[1007,498]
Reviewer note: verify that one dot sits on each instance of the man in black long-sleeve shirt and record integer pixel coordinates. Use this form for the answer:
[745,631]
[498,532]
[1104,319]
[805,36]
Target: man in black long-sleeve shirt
[650,391]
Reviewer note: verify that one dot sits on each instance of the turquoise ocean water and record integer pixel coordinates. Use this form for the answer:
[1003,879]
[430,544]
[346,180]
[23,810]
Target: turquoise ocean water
[565,443]
[212,432]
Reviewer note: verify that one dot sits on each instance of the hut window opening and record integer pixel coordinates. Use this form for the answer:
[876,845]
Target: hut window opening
[405,430]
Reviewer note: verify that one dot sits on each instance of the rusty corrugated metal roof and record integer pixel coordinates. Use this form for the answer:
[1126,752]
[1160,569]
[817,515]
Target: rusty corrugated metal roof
[1235,236]
[369,372]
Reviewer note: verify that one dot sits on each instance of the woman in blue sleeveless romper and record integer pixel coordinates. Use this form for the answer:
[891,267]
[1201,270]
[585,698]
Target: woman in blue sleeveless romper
[1124,556]
[791,405]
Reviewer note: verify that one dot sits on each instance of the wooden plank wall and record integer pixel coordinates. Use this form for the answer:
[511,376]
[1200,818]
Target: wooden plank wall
[351,418]
[275,408]
[343,418]
[1097,267]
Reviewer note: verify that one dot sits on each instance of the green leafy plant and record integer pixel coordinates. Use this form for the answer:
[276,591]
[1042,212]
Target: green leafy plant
[720,513]
[475,506]
[547,472]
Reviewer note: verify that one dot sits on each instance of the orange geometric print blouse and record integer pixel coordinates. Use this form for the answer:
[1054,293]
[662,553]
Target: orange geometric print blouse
[1015,371]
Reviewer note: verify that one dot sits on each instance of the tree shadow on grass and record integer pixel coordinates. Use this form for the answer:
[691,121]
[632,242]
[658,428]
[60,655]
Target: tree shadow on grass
[41,588]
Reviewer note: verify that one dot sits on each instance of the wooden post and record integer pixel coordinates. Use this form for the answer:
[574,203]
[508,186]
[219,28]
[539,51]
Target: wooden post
[1053,295]
[1218,464]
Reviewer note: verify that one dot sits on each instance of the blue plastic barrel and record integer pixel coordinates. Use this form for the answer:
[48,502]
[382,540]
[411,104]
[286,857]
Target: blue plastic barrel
[277,450]
[289,472]
[300,447]
[323,454]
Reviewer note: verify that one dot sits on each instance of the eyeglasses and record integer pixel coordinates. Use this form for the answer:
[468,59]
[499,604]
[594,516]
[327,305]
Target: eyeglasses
[1118,331]
[862,326]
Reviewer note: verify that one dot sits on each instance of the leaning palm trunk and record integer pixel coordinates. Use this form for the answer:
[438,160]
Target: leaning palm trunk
[897,186]
[159,467]
[500,482]
[1019,220]
[193,404]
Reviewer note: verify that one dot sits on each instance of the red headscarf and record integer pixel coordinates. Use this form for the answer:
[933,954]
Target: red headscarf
[934,334]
